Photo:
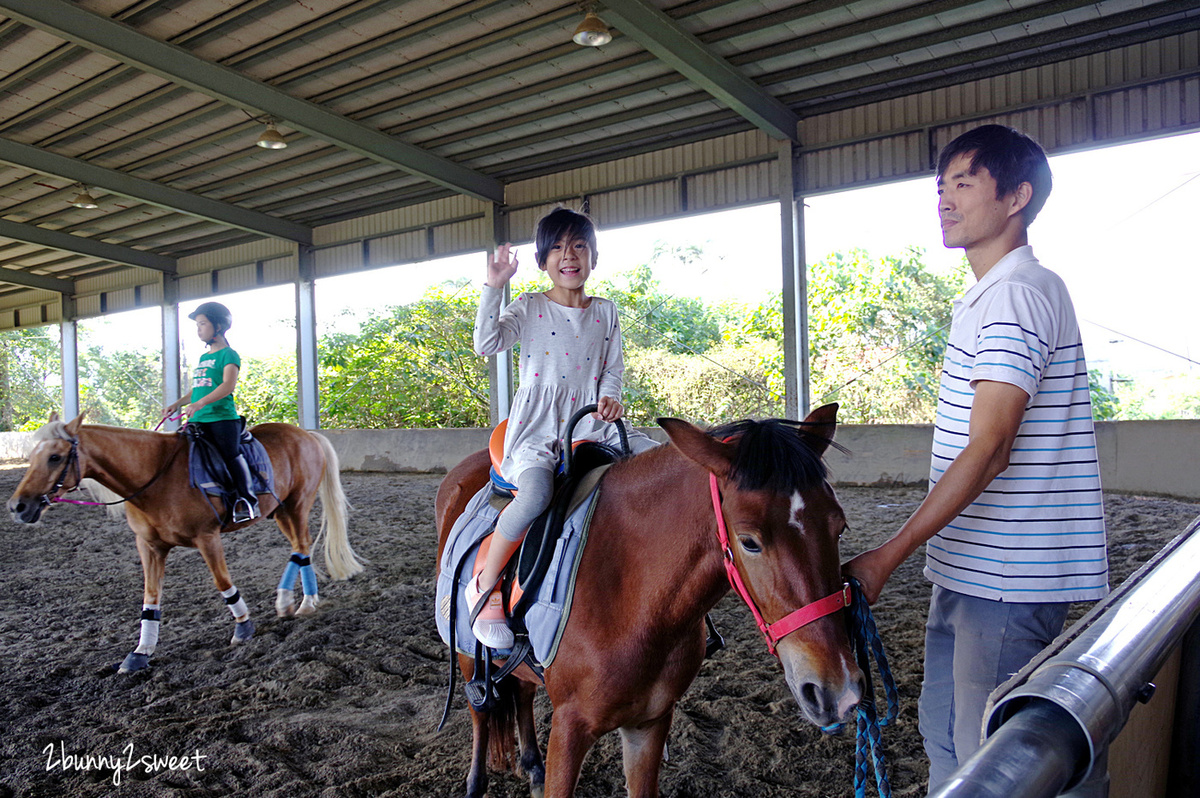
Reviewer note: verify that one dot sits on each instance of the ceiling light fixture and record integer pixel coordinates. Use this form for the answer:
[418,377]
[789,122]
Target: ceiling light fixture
[271,138]
[592,32]
[84,200]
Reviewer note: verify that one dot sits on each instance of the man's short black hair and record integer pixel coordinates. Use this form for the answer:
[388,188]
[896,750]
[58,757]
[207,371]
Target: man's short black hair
[1010,156]
[563,222]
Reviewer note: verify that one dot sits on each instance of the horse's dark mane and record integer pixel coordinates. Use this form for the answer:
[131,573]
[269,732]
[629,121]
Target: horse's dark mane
[773,454]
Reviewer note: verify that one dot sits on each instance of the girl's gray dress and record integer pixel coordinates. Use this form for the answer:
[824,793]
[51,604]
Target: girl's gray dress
[569,358]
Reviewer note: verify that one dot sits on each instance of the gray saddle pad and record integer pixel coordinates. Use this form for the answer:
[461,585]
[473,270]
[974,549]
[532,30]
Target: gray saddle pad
[548,613]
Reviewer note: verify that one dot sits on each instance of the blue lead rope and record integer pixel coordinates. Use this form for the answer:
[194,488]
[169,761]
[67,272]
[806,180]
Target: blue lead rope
[868,753]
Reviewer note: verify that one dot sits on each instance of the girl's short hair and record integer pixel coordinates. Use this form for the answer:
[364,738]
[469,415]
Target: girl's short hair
[563,222]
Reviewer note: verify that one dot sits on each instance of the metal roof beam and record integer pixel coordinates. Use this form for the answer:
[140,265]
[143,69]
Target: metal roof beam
[65,242]
[27,280]
[682,51]
[124,44]
[173,199]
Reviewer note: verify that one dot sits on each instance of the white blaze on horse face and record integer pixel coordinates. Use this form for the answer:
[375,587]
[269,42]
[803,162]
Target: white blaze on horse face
[797,514]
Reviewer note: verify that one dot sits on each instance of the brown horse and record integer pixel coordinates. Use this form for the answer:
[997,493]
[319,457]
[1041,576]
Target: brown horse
[150,471]
[651,570]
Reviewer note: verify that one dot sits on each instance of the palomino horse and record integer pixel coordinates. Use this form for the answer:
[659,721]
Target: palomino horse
[652,569]
[150,471]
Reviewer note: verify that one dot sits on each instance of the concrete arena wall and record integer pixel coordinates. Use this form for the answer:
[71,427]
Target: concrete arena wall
[1158,457]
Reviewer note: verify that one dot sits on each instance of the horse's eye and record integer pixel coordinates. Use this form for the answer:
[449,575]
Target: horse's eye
[55,458]
[749,544]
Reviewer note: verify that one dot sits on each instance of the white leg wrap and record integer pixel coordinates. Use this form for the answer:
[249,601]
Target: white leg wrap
[308,604]
[284,600]
[151,613]
[235,603]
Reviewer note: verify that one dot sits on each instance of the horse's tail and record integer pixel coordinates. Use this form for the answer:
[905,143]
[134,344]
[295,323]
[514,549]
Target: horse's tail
[340,559]
[502,720]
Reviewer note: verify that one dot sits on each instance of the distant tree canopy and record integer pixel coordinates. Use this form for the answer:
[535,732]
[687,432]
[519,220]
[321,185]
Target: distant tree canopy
[877,333]
[30,377]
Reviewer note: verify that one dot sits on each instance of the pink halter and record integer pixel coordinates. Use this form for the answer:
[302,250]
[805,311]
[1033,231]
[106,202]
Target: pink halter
[789,623]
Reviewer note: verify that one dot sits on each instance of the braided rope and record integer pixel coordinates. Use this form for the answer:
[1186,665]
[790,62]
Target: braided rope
[868,752]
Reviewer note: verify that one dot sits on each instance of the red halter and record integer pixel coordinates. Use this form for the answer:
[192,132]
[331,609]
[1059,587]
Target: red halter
[789,623]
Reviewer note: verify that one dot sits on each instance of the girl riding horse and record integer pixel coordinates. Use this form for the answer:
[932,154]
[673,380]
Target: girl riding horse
[570,357]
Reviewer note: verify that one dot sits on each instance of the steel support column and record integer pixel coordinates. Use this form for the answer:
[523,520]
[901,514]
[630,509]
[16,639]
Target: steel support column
[70,359]
[795,283]
[306,341]
[171,371]
[500,367]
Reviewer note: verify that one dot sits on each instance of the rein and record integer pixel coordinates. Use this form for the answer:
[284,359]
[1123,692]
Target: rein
[73,459]
[773,632]
[868,751]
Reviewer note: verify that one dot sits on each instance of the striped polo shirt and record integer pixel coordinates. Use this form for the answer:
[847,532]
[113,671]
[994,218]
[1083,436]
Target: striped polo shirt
[1036,534]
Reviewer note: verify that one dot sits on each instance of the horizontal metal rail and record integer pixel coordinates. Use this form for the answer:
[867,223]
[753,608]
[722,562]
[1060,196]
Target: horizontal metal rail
[1050,722]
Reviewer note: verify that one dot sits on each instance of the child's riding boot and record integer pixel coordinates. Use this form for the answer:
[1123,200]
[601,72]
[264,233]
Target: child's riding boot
[245,507]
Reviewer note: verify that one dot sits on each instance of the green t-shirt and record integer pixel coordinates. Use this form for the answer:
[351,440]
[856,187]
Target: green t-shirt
[210,373]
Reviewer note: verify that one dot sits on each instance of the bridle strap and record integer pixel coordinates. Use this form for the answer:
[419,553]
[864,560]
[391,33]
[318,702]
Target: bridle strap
[773,632]
[73,457]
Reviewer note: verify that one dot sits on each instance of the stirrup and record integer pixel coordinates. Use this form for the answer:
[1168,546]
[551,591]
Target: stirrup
[244,511]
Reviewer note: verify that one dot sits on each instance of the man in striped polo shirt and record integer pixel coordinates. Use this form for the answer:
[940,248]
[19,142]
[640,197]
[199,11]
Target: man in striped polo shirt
[1014,518]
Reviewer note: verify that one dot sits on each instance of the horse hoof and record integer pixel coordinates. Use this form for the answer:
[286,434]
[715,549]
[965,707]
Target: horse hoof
[285,611]
[308,606]
[243,631]
[134,662]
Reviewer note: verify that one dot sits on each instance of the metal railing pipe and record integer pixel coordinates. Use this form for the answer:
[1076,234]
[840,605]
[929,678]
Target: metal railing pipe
[1091,675]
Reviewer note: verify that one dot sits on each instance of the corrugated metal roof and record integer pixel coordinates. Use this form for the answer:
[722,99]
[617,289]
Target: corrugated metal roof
[497,86]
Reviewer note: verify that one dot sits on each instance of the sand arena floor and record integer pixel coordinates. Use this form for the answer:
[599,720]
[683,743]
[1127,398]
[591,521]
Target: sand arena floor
[345,703]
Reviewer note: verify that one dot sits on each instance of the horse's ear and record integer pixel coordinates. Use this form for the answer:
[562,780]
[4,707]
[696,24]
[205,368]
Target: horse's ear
[74,424]
[698,446]
[820,426]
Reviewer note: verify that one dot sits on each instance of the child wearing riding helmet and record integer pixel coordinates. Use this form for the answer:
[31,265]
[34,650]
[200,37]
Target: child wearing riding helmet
[570,357]
[210,403]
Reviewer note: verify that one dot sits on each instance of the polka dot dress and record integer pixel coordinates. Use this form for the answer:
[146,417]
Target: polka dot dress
[569,358]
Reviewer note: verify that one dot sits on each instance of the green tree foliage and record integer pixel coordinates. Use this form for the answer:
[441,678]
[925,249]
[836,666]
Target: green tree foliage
[652,318]
[412,366]
[877,335]
[266,390]
[30,378]
[1105,404]
[122,387]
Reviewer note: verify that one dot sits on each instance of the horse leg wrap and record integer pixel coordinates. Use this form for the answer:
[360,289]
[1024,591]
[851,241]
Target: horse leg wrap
[243,631]
[288,582]
[308,578]
[151,617]
[285,601]
[308,581]
[233,599]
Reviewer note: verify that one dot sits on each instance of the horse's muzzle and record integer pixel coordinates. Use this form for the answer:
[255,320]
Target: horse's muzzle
[825,695]
[25,510]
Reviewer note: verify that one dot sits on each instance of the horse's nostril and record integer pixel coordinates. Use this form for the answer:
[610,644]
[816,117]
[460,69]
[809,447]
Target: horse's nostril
[810,694]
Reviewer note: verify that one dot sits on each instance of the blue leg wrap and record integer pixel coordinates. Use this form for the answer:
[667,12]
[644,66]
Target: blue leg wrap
[288,582]
[308,578]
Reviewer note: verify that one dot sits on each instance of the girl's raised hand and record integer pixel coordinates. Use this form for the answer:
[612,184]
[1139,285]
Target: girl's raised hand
[501,266]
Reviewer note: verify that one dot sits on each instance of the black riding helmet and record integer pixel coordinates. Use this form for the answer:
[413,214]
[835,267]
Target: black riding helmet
[215,312]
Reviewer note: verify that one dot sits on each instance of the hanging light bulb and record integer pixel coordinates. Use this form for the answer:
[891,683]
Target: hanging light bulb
[271,138]
[592,32]
[84,200]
